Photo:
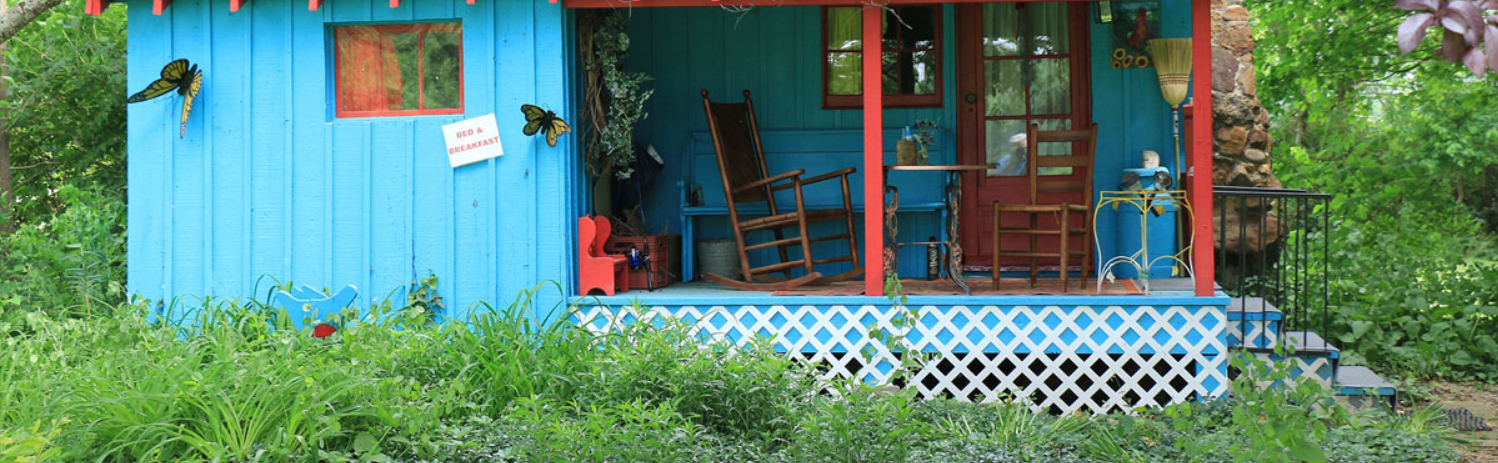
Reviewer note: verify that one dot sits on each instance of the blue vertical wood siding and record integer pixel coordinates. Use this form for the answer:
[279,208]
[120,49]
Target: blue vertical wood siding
[267,186]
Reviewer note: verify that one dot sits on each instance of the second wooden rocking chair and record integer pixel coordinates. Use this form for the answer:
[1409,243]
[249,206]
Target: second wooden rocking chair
[741,163]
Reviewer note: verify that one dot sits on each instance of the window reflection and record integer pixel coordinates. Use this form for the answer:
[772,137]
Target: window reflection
[910,63]
[1027,79]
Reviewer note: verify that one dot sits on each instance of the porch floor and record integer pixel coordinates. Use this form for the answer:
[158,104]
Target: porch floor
[1012,286]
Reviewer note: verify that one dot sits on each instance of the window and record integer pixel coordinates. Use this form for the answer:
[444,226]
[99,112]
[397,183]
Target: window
[398,69]
[911,62]
[1028,64]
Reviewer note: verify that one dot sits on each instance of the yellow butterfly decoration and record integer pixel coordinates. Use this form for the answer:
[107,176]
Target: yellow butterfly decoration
[540,120]
[178,75]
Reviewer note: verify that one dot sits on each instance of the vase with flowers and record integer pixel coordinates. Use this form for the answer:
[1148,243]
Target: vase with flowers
[925,136]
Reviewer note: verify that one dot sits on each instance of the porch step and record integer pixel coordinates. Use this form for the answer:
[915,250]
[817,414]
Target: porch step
[1314,358]
[1255,320]
[1358,387]
[1362,381]
[1308,343]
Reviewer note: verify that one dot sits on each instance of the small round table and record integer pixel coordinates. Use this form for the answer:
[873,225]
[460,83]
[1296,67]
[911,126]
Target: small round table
[953,262]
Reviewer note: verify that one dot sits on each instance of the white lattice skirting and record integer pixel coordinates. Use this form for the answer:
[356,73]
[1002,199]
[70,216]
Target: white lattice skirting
[1261,333]
[1063,358]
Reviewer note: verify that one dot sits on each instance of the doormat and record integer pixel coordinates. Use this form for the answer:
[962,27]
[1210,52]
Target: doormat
[1462,419]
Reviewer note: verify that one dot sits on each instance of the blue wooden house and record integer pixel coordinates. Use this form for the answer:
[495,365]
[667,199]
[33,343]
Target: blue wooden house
[315,154]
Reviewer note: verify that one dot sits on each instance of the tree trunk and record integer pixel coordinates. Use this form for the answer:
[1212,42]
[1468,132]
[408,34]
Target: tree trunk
[7,187]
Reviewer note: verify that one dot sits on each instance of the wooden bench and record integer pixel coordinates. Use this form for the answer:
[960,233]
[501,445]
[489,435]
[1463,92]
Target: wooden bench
[817,151]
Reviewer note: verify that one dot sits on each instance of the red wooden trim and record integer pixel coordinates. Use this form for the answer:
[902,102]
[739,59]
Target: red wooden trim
[159,6]
[933,100]
[420,75]
[1201,152]
[95,7]
[873,156]
[400,112]
[313,5]
[235,5]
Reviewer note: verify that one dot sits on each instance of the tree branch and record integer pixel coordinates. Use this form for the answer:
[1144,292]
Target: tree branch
[21,14]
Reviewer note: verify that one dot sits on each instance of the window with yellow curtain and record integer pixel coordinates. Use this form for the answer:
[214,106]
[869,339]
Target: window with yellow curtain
[911,62]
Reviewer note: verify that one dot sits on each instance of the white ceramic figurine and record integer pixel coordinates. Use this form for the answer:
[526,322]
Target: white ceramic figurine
[1151,160]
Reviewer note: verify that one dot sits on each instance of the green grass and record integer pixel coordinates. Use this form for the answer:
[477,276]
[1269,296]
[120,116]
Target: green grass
[234,382]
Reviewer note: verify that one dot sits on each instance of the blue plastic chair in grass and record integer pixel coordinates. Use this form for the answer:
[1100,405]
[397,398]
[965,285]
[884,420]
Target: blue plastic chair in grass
[302,303]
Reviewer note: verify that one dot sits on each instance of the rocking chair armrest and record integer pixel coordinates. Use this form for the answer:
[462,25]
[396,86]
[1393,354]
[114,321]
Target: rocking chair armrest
[826,176]
[768,180]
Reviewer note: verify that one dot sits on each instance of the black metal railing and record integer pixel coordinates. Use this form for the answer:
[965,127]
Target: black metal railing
[1272,257]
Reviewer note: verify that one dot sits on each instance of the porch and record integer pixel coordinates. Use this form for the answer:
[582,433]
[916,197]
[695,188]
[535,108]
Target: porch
[779,53]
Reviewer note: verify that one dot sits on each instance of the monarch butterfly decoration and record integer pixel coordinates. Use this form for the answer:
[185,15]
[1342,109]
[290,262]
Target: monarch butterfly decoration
[540,120]
[178,75]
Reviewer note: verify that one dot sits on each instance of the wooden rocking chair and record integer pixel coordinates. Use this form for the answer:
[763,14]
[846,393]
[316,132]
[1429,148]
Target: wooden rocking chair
[741,163]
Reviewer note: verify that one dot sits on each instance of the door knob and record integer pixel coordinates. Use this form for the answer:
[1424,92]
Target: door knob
[971,98]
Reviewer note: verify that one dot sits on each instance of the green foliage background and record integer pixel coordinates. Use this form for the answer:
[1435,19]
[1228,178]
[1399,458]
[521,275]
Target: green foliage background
[66,78]
[1409,146]
[65,75]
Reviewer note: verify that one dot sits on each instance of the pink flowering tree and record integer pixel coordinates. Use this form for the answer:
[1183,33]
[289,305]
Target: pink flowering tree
[1469,30]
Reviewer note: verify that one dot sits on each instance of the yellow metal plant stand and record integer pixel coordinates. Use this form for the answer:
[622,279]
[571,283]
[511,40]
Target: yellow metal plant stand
[1144,201]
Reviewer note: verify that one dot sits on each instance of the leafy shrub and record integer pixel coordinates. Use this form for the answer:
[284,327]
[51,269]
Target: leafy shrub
[28,445]
[603,432]
[508,354]
[1001,432]
[72,262]
[723,387]
[861,425]
[1411,274]
[1379,445]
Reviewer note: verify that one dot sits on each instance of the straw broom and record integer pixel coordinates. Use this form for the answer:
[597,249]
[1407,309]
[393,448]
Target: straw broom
[1173,64]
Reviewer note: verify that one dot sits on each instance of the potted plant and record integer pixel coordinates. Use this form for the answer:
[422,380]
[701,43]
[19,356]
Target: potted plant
[613,102]
[914,149]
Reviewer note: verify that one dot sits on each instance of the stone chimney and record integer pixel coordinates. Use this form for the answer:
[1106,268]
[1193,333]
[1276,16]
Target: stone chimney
[1241,127]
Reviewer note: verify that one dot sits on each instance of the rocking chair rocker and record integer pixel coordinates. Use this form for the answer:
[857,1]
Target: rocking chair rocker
[741,163]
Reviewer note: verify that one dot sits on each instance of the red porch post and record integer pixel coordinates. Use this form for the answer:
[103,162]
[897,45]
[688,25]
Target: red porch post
[873,153]
[1201,149]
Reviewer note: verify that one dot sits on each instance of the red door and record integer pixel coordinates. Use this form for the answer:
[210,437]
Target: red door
[1018,63]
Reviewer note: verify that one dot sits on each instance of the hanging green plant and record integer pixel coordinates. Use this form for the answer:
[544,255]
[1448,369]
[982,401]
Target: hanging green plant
[614,100]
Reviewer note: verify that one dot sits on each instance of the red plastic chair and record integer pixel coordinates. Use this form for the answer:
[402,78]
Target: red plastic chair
[597,270]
